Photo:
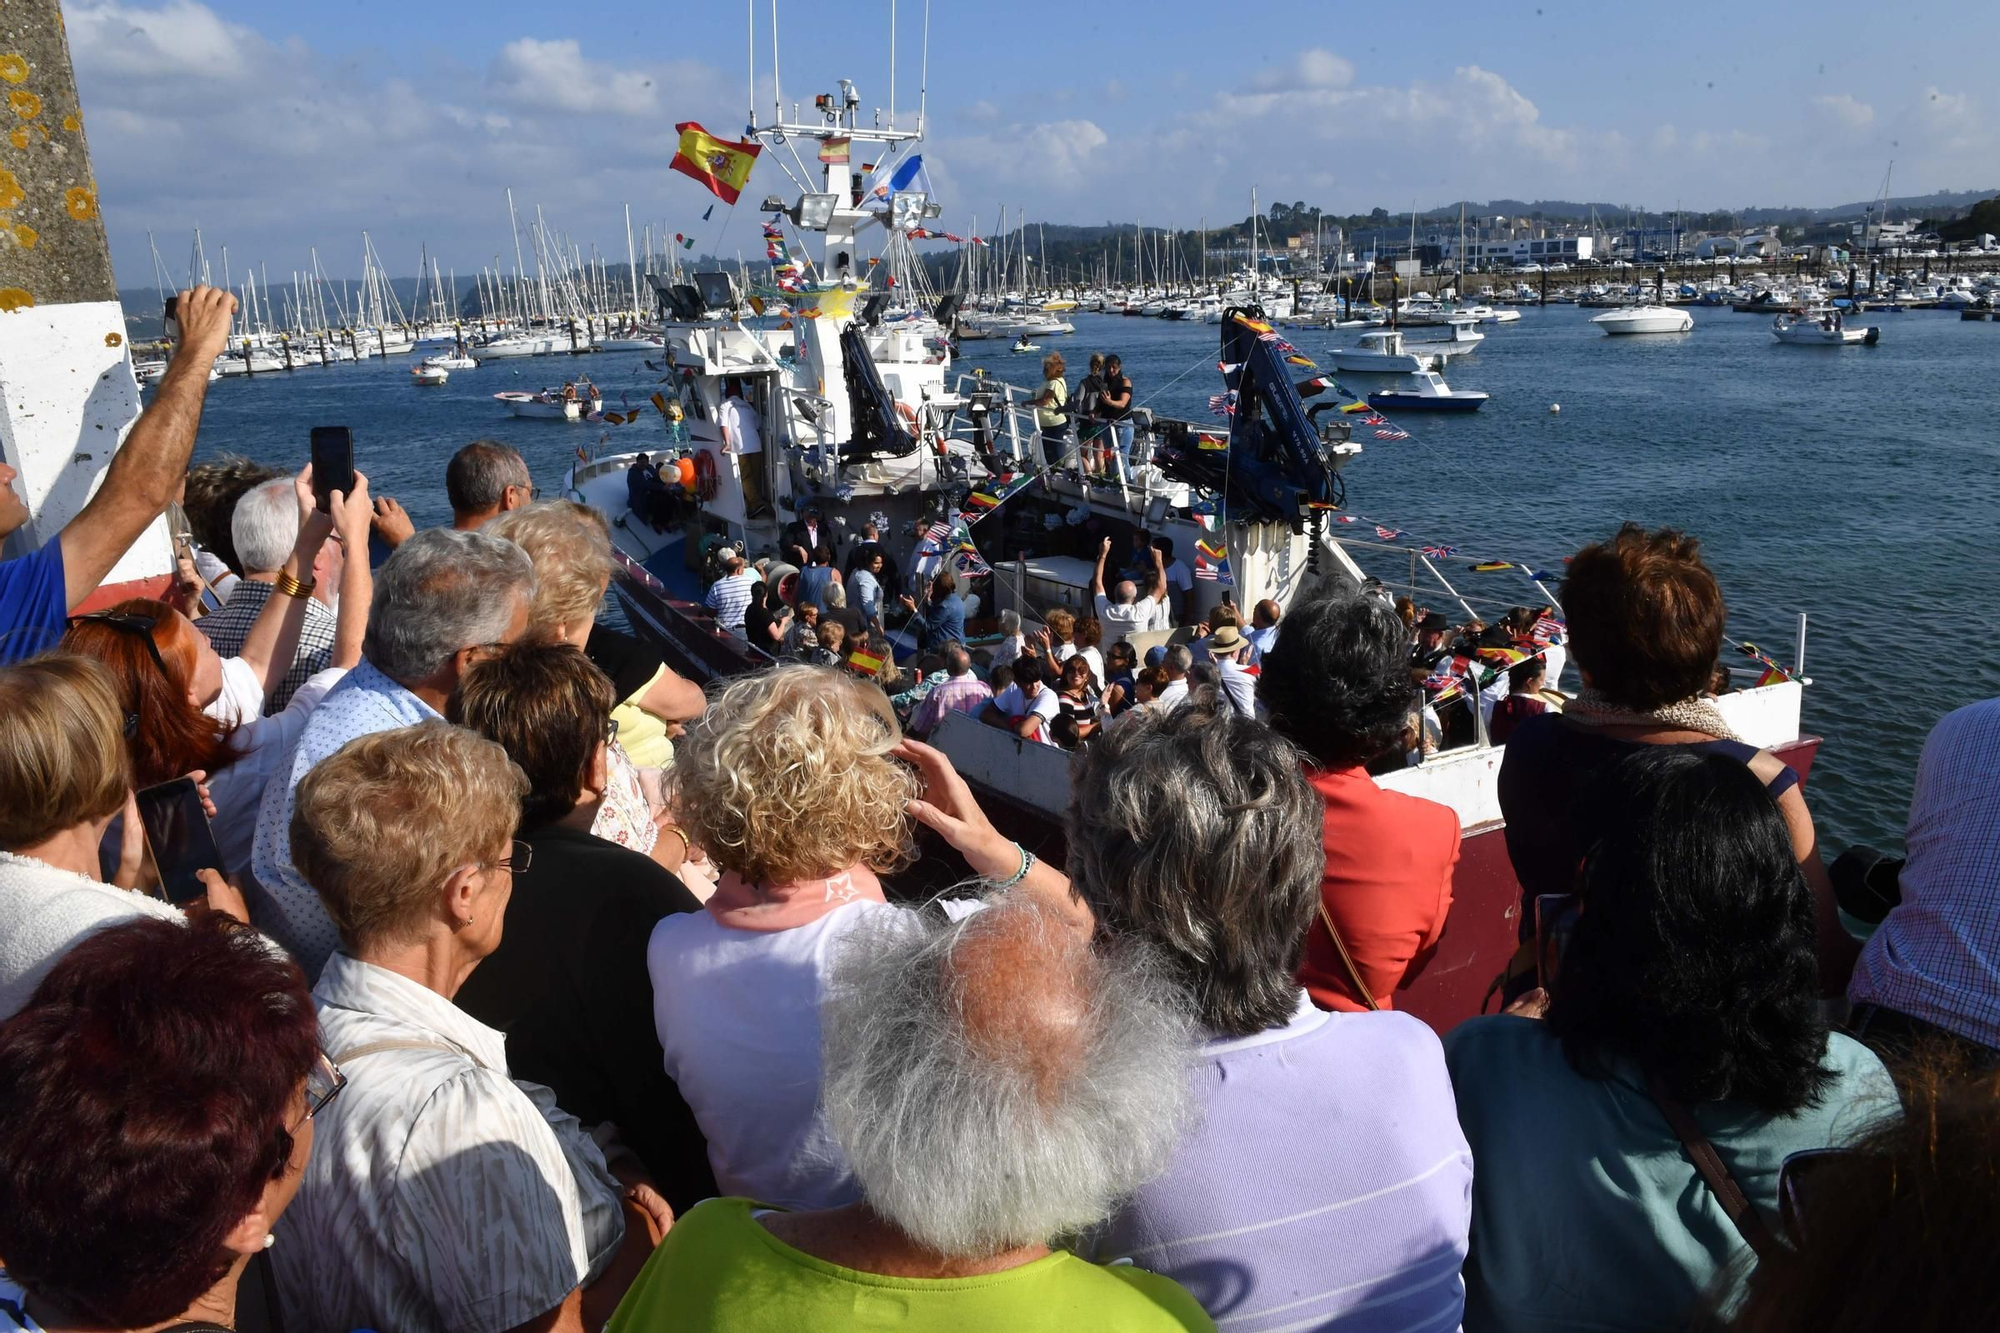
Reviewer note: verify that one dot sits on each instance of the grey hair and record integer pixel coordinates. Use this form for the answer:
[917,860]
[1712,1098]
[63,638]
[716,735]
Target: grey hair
[440,592]
[265,526]
[1126,593]
[477,478]
[833,595]
[976,1122]
[1010,623]
[1178,659]
[1225,889]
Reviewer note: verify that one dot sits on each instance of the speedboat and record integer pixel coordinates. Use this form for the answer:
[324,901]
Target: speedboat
[633,344]
[1644,319]
[450,361]
[1429,394]
[1025,346]
[1383,352]
[1821,328]
[428,374]
[552,405]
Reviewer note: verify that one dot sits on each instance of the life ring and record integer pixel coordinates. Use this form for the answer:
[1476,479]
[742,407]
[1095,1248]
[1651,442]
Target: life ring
[704,474]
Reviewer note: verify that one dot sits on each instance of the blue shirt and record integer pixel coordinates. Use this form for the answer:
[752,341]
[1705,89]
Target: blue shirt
[865,594]
[944,622]
[813,582]
[34,603]
[289,909]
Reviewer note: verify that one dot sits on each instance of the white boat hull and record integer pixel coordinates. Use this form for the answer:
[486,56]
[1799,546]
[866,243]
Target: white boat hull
[1645,319]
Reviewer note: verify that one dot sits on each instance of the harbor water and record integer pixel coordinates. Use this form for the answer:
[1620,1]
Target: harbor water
[1859,486]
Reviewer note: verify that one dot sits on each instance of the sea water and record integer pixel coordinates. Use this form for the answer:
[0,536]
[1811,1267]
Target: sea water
[1856,485]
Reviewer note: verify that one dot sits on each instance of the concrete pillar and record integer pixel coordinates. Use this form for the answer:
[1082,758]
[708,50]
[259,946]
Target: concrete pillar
[67,395]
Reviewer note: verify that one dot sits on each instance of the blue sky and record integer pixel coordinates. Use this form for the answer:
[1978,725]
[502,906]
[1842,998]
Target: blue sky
[282,126]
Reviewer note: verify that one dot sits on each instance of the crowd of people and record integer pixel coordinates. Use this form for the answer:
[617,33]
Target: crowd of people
[540,988]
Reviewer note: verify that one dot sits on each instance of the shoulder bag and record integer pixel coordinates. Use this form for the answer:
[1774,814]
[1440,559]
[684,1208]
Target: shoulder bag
[1749,1222]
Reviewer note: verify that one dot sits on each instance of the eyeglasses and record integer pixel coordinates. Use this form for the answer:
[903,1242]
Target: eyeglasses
[610,730]
[323,1083]
[127,622]
[519,862]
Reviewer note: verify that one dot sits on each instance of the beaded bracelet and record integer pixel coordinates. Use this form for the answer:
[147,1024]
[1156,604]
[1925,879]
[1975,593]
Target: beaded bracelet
[1027,864]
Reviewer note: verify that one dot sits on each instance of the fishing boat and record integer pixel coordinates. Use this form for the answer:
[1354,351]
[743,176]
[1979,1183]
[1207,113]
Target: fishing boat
[428,374]
[555,404]
[1644,319]
[1429,393]
[1822,327]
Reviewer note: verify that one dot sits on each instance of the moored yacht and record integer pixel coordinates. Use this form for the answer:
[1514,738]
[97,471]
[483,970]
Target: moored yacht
[1644,319]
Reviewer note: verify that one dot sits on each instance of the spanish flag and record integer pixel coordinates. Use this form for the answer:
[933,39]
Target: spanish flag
[835,150]
[1358,405]
[1489,566]
[723,165]
[864,661]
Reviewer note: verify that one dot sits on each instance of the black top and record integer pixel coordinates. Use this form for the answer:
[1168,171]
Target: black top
[630,663]
[1115,386]
[1547,779]
[569,987]
[848,618]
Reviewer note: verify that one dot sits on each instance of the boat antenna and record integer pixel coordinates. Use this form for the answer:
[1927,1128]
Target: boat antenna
[777,95]
[892,64]
[924,78]
[752,6]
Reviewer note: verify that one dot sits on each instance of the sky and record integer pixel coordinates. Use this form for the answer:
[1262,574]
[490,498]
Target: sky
[280,128]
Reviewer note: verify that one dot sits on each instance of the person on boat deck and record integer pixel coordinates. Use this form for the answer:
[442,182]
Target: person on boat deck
[1338,686]
[1685,988]
[959,692]
[1645,625]
[1114,408]
[1124,611]
[817,576]
[867,575]
[996,1084]
[1263,631]
[1263,1206]
[942,619]
[1083,411]
[1052,411]
[483,480]
[729,596]
[1180,582]
[38,590]
[1433,648]
[1027,706]
[743,437]
[804,534]
[645,493]
[1524,700]
[569,391]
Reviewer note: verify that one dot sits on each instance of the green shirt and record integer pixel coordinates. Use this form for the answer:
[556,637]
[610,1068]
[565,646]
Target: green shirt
[1052,415]
[1586,1212]
[719,1270]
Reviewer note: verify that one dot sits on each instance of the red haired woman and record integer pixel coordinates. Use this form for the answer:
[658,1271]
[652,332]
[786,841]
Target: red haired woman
[189,710]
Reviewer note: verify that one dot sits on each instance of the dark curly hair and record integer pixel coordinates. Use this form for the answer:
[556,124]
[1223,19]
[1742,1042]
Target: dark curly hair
[1645,616]
[1693,955]
[209,501]
[1337,683]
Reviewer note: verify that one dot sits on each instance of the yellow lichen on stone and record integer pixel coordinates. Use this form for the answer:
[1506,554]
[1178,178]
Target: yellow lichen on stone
[13,68]
[24,104]
[19,138]
[113,339]
[14,298]
[81,202]
[71,123]
[10,189]
[27,236]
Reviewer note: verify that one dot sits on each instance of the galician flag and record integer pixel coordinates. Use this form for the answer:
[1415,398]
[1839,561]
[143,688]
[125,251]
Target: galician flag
[723,165]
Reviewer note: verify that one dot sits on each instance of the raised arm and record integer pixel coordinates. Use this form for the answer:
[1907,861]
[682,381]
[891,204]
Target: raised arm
[353,516]
[146,472]
[1156,582]
[1097,575]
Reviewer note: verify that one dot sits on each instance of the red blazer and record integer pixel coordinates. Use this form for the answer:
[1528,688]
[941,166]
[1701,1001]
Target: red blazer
[1389,860]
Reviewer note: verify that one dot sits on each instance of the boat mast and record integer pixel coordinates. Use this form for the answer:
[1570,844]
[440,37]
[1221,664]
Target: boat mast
[631,262]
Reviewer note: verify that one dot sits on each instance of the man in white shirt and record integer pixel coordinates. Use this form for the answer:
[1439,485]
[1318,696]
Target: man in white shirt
[1264,619]
[1227,647]
[1125,612]
[1026,707]
[742,436]
[1176,663]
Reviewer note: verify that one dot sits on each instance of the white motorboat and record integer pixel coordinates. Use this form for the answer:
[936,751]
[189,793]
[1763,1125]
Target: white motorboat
[428,374]
[149,372]
[450,361]
[1428,393]
[1644,319]
[554,404]
[630,344]
[528,344]
[1822,328]
[1385,352]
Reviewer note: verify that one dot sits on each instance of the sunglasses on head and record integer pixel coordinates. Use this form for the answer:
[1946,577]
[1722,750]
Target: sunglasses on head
[136,625]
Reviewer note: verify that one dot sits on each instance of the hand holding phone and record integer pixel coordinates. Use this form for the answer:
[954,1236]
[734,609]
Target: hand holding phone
[183,844]
[332,463]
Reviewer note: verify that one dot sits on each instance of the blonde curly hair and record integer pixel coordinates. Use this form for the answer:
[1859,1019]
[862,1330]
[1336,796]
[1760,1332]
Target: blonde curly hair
[571,550]
[788,776]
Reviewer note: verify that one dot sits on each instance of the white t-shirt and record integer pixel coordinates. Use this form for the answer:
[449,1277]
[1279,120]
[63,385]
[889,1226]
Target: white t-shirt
[242,697]
[1096,660]
[737,1013]
[1173,692]
[1138,617]
[740,432]
[1016,705]
[1179,577]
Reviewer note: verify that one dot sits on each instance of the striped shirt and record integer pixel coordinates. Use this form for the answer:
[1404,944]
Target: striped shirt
[954,694]
[729,598]
[228,628]
[1328,1185]
[1936,956]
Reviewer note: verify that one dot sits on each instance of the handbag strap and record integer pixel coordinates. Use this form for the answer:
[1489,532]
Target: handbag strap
[1346,958]
[1749,1222]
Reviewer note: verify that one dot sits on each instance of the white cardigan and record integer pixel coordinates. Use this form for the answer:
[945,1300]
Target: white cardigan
[44,912]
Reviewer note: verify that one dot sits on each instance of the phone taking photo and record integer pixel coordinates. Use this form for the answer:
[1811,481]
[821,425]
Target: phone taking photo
[170,323]
[332,463]
[181,840]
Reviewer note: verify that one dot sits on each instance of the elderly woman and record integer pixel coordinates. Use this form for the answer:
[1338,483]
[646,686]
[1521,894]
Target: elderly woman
[1645,623]
[169,678]
[791,783]
[445,1194]
[1683,1016]
[64,774]
[1338,686]
[568,983]
[161,1091]
[1327,1177]
[1052,412]
[997,1085]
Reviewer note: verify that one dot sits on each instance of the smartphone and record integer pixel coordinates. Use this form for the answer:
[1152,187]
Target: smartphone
[209,601]
[1555,918]
[333,463]
[170,323]
[177,831]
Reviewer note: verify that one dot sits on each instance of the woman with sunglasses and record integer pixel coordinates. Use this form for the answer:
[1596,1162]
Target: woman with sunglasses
[444,1195]
[162,1086]
[193,711]
[1682,1026]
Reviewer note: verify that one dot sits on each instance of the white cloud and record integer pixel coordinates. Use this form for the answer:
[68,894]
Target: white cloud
[1056,155]
[554,76]
[1846,109]
[180,38]
[1314,67]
